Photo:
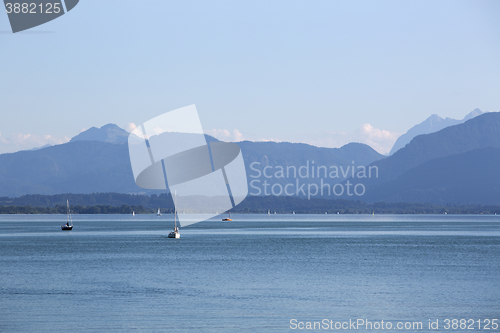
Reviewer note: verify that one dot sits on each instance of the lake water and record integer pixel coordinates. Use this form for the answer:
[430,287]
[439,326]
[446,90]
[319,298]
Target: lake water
[116,273]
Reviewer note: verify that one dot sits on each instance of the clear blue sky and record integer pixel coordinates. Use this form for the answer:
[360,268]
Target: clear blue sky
[323,72]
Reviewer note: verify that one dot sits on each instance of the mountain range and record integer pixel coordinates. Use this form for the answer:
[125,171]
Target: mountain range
[470,177]
[457,164]
[97,160]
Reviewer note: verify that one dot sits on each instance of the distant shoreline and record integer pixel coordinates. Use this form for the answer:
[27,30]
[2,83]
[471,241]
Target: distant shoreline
[116,203]
[108,210]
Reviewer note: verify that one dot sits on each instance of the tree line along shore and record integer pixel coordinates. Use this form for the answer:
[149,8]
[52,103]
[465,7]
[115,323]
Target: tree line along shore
[116,203]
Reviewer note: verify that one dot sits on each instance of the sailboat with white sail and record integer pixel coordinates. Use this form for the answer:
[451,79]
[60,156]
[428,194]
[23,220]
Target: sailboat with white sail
[228,218]
[175,233]
[69,223]
[159,212]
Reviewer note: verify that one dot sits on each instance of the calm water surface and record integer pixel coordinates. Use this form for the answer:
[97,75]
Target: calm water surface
[117,273]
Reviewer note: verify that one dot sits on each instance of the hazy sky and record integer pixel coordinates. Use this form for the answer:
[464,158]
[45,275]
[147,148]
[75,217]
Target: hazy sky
[321,72]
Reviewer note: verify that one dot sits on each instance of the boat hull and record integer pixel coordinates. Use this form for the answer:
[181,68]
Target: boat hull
[174,234]
[65,227]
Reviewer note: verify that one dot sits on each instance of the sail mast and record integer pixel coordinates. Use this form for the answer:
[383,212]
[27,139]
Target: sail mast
[175,211]
[70,222]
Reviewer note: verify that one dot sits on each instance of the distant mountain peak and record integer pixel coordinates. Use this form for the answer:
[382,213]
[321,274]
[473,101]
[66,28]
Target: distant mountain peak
[474,113]
[434,118]
[432,124]
[107,133]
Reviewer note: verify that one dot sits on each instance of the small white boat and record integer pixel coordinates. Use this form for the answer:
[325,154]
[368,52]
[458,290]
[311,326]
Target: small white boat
[175,233]
[69,223]
[133,213]
[159,212]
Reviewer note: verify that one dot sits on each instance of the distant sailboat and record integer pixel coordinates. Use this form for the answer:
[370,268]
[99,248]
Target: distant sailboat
[133,213]
[268,212]
[228,218]
[175,233]
[159,213]
[69,223]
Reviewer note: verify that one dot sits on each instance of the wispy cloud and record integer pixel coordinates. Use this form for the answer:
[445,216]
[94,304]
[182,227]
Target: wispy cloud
[21,141]
[380,140]
[130,127]
[226,135]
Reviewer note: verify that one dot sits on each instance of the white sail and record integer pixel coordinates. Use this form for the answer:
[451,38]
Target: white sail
[175,211]
[175,233]
[70,221]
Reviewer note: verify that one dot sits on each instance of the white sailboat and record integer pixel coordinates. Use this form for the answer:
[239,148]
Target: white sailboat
[228,218]
[159,212]
[175,233]
[133,213]
[69,223]
[268,212]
